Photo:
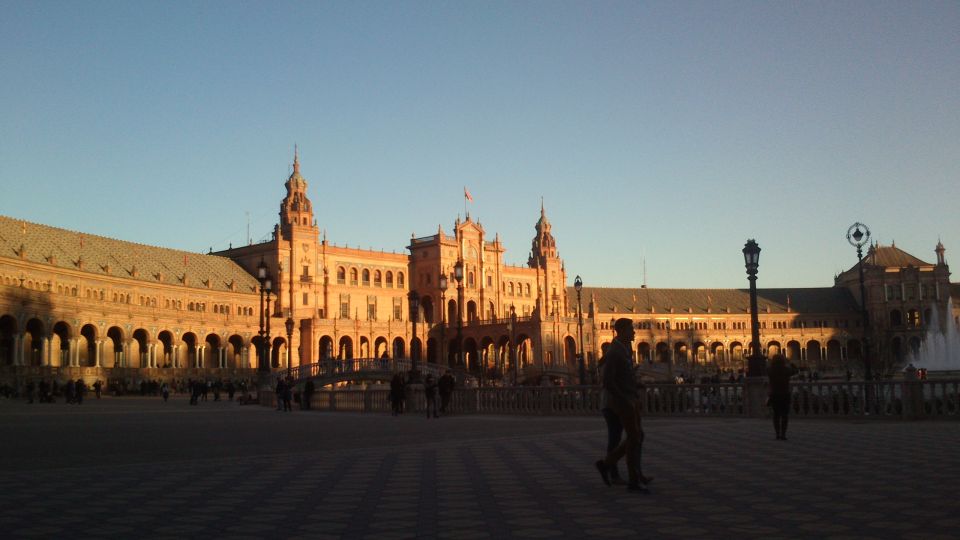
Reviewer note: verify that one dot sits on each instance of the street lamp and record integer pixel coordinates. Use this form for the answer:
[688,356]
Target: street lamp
[751,258]
[261,277]
[512,325]
[578,285]
[268,285]
[414,315]
[289,325]
[443,316]
[458,275]
[859,235]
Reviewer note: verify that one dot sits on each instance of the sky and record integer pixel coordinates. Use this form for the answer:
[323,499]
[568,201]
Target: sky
[660,136]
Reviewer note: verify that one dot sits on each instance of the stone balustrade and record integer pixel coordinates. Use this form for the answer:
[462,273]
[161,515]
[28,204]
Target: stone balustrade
[829,399]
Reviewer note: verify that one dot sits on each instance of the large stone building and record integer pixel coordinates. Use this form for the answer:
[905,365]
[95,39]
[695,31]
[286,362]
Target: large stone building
[73,304]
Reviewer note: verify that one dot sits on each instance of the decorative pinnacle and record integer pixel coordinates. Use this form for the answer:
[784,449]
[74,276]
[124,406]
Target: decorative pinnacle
[296,159]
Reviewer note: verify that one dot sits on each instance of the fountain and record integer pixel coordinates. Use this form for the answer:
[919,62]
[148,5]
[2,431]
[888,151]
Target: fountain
[940,351]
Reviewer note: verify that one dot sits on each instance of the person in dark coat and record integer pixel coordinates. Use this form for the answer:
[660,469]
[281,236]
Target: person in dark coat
[620,384]
[79,390]
[308,389]
[779,375]
[396,393]
[445,386]
[430,390]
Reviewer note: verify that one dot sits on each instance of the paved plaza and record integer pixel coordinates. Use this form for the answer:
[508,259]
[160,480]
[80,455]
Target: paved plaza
[136,467]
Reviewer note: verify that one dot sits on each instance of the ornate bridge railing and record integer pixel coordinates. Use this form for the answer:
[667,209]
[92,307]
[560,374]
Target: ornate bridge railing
[328,371]
[889,399]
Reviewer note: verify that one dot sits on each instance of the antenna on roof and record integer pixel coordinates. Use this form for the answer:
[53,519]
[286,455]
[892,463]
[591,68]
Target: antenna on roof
[644,273]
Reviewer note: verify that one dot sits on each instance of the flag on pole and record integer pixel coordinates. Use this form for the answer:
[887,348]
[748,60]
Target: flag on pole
[466,194]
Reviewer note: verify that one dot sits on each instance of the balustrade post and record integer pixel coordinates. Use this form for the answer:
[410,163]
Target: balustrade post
[755,396]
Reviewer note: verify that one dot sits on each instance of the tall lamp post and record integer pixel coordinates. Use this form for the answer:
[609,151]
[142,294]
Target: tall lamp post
[458,275]
[858,235]
[268,284]
[289,325]
[443,317]
[578,285]
[751,258]
[414,315]
[261,277]
[512,325]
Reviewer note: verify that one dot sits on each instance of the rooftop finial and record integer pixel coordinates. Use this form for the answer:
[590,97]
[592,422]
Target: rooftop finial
[296,159]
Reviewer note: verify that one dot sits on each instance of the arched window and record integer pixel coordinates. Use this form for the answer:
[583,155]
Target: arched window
[366,277]
[470,280]
[510,289]
[400,279]
[341,275]
[528,289]
[389,279]
[377,279]
[353,276]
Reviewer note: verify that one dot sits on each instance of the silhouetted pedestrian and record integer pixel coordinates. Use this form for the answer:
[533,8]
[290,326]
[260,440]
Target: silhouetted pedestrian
[446,385]
[779,376]
[430,391]
[620,383]
[79,390]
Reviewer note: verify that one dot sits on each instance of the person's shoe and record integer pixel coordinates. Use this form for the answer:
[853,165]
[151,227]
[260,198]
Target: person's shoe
[604,471]
[617,481]
[637,488]
[646,479]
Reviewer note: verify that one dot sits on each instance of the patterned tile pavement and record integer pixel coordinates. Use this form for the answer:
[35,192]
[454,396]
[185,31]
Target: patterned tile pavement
[135,467]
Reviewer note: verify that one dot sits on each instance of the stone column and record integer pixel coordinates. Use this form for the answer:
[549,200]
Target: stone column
[152,355]
[197,355]
[96,352]
[18,350]
[175,355]
[45,351]
[223,357]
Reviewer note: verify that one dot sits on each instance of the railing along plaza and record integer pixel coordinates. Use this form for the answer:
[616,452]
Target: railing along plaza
[825,399]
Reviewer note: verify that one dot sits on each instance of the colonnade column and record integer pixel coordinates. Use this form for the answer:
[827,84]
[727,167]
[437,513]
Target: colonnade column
[18,350]
[98,346]
[196,356]
[176,356]
[223,357]
[152,355]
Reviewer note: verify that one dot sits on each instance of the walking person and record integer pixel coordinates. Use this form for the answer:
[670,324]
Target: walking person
[98,388]
[396,393]
[79,390]
[165,391]
[446,385]
[779,376]
[308,389]
[430,390]
[620,383]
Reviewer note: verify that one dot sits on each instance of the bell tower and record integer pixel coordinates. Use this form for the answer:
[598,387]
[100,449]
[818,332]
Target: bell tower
[551,274]
[296,211]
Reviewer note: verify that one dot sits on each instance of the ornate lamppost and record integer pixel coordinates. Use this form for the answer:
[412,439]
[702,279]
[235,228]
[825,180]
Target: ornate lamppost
[512,326]
[414,315]
[266,287]
[458,275]
[751,257]
[443,317]
[578,285]
[261,277]
[289,325]
[859,235]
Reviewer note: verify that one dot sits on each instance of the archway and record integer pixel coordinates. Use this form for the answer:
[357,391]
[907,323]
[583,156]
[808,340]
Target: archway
[235,351]
[426,306]
[345,348]
[433,352]
[113,347]
[60,344]
[325,347]
[380,347]
[88,345]
[570,351]
[471,311]
[165,357]
[140,349]
[212,356]
[8,342]
[643,352]
[33,342]
[814,354]
[792,352]
[663,352]
[399,348]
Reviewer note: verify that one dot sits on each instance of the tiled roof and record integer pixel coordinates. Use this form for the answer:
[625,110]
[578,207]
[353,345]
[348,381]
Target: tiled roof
[716,301]
[127,260]
[892,256]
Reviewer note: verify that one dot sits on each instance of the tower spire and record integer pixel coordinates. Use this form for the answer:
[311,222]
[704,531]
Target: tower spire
[296,159]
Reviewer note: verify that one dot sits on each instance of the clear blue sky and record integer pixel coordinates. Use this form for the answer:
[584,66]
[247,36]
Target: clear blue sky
[664,131]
